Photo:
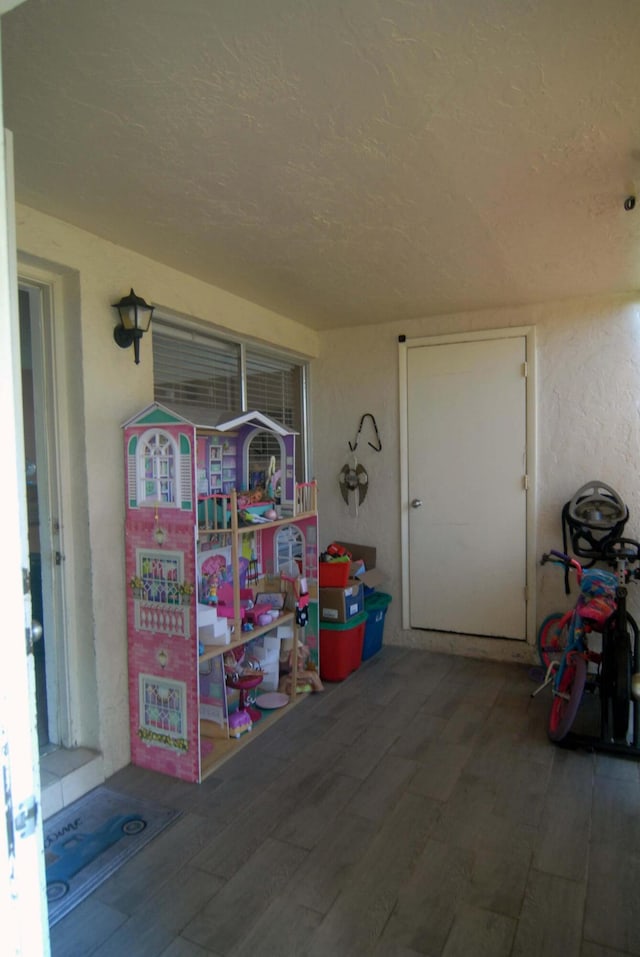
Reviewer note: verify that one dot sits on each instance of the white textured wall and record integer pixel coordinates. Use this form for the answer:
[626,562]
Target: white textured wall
[107,389]
[588,415]
[588,424]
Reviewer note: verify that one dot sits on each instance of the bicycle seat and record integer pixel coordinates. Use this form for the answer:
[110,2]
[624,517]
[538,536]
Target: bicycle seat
[623,548]
[625,551]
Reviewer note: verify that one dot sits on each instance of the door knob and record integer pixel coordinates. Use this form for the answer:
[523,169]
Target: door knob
[34,633]
[416,503]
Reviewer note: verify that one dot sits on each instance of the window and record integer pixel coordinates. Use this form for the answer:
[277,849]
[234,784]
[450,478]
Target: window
[193,368]
[265,465]
[163,711]
[157,469]
[160,574]
[274,386]
[289,545]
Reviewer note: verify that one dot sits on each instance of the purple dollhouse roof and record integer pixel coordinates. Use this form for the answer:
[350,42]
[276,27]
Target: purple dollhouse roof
[207,418]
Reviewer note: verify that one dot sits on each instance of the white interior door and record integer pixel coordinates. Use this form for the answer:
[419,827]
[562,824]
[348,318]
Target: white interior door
[467,498]
[23,913]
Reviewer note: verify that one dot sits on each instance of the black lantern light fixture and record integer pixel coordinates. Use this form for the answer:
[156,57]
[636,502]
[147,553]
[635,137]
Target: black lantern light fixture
[135,319]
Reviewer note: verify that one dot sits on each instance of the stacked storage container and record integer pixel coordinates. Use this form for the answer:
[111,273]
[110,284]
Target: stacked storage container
[375,606]
[351,611]
[341,647]
[342,621]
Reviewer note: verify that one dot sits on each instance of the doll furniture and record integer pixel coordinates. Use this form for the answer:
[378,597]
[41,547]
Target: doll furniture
[188,553]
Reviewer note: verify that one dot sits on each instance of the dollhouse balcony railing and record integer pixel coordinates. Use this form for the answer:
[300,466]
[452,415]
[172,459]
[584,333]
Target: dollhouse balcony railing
[214,512]
[158,616]
[306,498]
[219,512]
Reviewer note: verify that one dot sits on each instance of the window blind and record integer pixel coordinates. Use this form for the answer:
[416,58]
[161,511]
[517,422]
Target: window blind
[195,370]
[206,371]
[274,386]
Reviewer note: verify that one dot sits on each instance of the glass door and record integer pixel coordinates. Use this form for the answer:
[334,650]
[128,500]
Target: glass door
[33,516]
[43,510]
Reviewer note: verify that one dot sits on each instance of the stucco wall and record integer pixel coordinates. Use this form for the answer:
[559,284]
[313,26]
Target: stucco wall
[107,389]
[588,427]
[588,403]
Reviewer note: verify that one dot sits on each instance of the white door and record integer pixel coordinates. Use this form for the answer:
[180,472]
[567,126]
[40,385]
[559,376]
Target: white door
[466,486]
[23,915]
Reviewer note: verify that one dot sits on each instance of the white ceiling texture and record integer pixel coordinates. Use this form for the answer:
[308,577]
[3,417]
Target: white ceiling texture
[340,161]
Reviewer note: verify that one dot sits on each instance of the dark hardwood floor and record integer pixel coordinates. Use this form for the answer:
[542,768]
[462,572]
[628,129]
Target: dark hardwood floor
[415,809]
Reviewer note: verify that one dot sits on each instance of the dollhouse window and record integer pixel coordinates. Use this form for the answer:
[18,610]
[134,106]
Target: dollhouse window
[163,710]
[160,573]
[289,549]
[157,469]
[264,464]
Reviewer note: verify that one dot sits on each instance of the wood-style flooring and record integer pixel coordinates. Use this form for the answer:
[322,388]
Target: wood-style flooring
[415,809]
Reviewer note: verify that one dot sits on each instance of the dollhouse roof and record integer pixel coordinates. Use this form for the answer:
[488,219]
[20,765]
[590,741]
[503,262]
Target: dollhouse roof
[202,418]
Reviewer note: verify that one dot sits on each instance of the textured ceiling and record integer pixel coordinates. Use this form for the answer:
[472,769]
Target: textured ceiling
[340,161]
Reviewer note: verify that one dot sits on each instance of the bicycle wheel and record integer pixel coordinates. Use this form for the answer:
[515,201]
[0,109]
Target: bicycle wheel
[567,698]
[616,675]
[552,638]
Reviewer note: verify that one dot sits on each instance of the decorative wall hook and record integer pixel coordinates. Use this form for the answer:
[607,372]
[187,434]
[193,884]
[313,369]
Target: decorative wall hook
[378,446]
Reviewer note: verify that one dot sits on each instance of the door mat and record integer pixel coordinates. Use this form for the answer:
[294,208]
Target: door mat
[89,840]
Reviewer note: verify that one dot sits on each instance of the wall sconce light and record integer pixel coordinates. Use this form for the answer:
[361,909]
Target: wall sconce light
[162,658]
[135,318]
[159,533]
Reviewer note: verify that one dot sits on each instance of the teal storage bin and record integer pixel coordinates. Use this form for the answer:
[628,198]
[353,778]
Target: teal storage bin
[375,607]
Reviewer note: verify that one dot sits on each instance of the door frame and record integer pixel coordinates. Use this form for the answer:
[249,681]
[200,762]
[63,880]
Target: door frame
[52,524]
[58,296]
[404,344]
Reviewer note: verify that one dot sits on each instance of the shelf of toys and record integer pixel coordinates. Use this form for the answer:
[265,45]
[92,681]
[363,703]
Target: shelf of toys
[222,608]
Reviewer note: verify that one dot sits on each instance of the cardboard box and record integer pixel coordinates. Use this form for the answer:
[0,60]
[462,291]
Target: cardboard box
[365,553]
[341,604]
[371,577]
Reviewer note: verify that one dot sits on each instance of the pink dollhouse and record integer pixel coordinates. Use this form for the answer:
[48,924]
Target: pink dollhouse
[206,514]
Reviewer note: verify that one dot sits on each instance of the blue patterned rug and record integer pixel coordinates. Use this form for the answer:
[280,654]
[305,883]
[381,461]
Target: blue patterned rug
[87,841]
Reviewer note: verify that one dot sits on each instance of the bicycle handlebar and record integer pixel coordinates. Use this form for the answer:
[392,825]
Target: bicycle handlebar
[560,558]
[620,551]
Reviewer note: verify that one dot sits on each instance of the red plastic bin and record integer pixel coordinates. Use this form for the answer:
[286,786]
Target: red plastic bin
[341,647]
[334,574]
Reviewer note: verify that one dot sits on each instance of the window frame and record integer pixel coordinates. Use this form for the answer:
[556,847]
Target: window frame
[169,325]
[150,451]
